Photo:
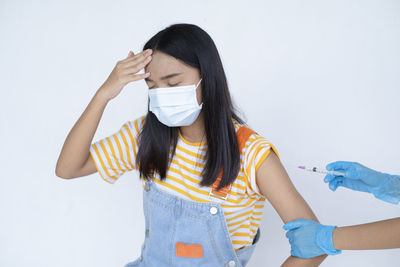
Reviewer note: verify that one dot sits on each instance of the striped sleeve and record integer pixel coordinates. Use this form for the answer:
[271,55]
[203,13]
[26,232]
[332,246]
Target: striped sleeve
[116,154]
[258,148]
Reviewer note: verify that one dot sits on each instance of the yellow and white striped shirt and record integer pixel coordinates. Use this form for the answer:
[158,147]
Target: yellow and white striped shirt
[116,154]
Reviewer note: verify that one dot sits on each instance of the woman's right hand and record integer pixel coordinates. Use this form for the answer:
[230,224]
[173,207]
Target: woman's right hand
[124,72]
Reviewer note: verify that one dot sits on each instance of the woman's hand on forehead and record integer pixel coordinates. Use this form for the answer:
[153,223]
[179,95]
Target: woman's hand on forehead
[126,71]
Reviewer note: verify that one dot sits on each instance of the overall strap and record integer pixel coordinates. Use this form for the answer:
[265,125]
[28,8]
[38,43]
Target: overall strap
[242,134]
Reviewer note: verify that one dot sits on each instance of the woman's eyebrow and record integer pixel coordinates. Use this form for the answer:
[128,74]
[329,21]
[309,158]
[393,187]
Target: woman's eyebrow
[165,77]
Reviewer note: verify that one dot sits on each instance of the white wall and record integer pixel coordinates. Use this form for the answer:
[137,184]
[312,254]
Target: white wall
[319,79]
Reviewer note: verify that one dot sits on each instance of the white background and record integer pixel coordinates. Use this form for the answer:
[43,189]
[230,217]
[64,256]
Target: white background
[319,79]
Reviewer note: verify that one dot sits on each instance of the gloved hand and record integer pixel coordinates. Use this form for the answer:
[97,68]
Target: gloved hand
[360,178]
[309,239]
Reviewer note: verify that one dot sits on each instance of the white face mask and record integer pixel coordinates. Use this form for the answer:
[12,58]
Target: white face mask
[175,106]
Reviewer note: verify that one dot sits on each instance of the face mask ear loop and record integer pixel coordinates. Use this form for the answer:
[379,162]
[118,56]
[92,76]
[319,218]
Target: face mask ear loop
[196,88]
[199,82]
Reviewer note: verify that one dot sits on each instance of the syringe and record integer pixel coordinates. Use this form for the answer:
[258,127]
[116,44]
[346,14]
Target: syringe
[315,169]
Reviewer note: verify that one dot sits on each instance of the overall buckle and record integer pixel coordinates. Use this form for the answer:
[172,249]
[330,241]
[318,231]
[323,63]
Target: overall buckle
[222,194]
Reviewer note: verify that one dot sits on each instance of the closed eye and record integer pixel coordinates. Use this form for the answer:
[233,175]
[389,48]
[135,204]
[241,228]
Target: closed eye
[170,85]
[173,84]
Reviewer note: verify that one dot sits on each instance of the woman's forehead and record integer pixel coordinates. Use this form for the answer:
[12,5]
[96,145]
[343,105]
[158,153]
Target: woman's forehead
[162,64]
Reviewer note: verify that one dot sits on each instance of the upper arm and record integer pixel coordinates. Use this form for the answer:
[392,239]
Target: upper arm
[275,184]
[116,154]
[88,168]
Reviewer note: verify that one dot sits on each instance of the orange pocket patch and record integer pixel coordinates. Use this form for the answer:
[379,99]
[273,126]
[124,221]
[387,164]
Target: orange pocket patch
[188,250]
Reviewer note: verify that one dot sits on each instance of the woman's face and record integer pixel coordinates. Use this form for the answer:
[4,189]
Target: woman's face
[167,71]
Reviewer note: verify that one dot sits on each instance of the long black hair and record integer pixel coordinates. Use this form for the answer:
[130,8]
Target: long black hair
[193,46]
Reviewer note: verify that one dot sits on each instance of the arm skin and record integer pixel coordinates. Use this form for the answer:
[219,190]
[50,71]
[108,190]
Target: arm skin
[74,160]
[275,184]
[376,235]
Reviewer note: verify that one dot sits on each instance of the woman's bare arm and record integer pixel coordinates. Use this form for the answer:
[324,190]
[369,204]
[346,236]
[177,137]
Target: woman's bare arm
[275,184]
[74,160]
[376,235]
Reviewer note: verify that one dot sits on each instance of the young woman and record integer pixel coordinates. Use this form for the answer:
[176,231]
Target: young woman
[206,175]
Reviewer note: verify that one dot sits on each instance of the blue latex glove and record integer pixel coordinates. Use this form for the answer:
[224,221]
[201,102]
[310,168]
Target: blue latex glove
[310,239]
[360,178]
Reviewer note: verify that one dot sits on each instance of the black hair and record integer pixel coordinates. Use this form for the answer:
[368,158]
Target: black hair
[193,46]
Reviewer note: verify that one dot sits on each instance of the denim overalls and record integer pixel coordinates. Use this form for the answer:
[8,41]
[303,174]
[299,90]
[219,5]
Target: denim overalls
[181,232]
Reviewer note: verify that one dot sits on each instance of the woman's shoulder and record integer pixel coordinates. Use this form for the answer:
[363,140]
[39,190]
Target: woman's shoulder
[252,132]
[136,124]
[255,141]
